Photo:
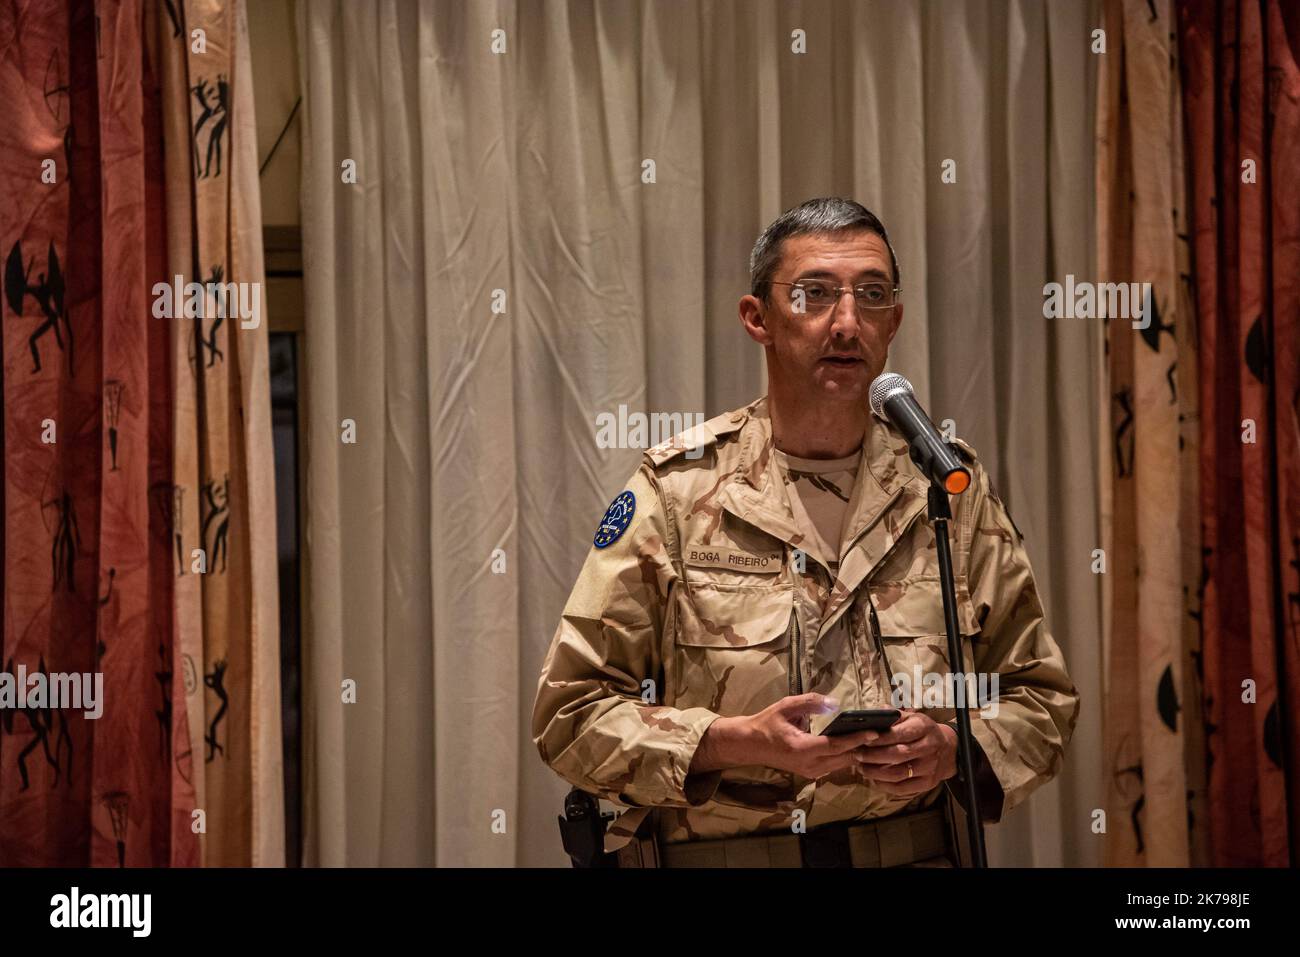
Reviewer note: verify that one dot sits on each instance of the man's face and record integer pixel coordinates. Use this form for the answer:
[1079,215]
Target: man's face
[838,353]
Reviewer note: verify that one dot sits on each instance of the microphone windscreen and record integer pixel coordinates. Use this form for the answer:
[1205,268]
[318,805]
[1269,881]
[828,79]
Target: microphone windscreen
[887,384]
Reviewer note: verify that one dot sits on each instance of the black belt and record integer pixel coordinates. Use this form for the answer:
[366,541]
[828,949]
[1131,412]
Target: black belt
[892,841]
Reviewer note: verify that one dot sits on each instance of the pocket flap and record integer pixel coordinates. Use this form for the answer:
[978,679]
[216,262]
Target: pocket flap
[734,616]
[914,607]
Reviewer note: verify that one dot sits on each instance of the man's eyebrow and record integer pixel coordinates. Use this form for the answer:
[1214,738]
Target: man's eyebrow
[827,274]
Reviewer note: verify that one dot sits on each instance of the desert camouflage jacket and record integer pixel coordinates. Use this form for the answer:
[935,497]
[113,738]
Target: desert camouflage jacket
[692,605]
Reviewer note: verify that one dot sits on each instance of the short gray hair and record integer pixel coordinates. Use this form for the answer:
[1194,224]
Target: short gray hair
[830,214]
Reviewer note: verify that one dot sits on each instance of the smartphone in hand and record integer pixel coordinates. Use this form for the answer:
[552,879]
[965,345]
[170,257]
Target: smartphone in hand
[872,719]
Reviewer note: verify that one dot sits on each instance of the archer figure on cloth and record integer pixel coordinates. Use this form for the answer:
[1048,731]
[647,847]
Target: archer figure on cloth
[48,293]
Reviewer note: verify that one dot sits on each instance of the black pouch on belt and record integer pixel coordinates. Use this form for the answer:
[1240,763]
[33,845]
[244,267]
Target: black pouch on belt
[582,831]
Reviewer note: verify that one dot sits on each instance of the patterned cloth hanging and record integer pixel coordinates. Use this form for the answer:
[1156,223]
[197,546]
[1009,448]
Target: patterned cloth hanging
[137,458]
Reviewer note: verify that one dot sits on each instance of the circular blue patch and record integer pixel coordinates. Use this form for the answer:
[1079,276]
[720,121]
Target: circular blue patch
[617,518]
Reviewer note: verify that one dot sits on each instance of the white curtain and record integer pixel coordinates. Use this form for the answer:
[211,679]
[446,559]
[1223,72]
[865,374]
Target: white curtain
[553,220]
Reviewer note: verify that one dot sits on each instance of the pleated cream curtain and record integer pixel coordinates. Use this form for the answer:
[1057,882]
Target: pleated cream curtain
[553,220]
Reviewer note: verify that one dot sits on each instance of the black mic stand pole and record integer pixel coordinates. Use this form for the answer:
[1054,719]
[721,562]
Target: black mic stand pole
[940,516]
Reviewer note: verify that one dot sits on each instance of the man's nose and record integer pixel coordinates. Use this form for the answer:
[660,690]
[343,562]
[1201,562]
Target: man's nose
[844,315]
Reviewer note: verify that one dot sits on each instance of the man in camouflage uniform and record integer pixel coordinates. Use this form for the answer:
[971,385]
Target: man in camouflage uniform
[738,595]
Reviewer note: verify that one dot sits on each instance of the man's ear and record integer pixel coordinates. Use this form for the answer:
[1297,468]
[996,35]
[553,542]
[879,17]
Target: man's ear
[754,317]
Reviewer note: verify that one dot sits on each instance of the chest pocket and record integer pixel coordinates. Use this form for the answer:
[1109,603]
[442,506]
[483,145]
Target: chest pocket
[914,637]
[731,645]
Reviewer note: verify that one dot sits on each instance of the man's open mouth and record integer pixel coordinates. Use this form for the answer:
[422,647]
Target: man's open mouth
[842,360]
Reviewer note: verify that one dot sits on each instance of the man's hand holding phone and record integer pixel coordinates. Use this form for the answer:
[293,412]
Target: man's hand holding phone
[911,757]
[777,737]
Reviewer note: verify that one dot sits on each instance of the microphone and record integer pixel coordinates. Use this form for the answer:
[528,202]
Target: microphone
[892,398]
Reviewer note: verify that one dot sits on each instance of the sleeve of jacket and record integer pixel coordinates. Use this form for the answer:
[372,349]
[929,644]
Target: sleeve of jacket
[596,721]
[1023,743]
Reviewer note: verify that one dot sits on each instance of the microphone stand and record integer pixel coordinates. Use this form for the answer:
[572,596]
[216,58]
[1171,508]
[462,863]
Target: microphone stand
[940,516]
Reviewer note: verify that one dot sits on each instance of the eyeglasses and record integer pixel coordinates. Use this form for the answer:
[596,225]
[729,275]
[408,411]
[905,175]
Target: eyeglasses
[815,296]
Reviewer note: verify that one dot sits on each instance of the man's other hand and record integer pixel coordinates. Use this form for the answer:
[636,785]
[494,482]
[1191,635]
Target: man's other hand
[915,741]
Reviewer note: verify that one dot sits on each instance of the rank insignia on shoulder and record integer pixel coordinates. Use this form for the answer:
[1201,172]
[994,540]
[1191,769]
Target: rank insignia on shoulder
[966,453]
[617,518]
[993,493]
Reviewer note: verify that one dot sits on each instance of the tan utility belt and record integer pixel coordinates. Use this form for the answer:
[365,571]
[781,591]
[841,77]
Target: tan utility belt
[893,841]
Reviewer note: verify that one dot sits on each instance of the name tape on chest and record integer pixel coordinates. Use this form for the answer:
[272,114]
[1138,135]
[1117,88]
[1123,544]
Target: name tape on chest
[731,559]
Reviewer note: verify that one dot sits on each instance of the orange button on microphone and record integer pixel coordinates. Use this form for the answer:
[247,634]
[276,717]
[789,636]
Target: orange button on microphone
[957,482]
